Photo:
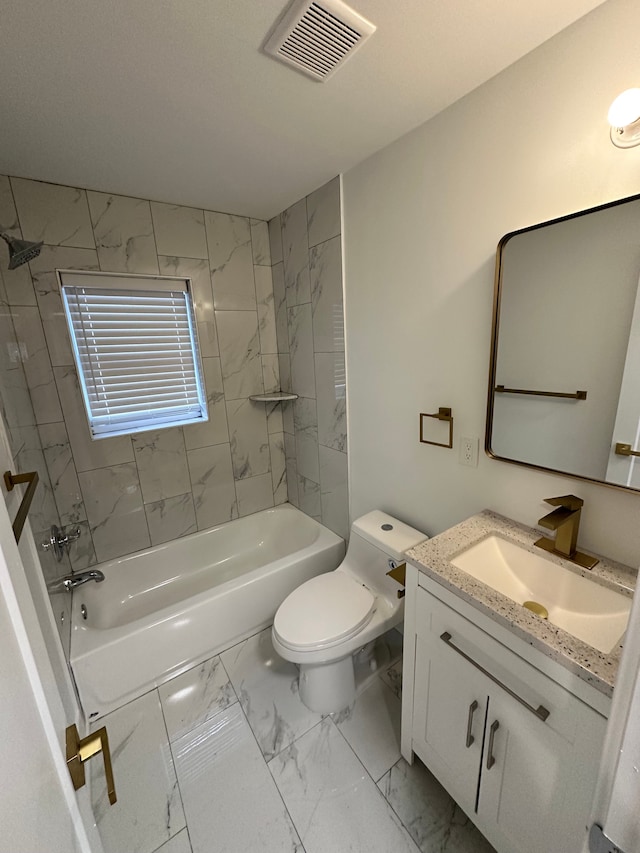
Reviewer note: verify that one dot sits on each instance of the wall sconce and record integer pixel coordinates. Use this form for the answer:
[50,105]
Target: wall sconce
[624,118]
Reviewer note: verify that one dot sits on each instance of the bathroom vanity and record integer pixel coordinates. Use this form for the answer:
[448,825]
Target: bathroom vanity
[505,708]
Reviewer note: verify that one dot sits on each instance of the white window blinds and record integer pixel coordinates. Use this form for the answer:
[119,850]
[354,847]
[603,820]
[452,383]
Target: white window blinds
[136,351]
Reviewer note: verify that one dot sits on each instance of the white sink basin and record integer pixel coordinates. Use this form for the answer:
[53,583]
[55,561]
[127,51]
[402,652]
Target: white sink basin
[587,610]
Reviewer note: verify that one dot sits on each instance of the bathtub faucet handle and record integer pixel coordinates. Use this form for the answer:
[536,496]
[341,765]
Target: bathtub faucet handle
[59,539]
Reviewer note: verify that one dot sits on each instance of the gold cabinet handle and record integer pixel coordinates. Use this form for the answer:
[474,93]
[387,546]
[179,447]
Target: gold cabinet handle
[495,725]
[473,707]
[81,750]
[625,450]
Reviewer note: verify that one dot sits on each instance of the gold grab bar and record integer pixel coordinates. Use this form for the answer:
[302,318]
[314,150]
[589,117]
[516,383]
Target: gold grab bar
[81,750]
[443,414]
[625,450]
[578,395]
[11,480]
[540,712]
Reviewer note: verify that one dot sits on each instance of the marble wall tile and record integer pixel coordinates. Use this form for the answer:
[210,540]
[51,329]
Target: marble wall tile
[278,468]
[295,253]
[260,248]
[271,373]
[124,233]
[171,518]
[213,488]
[305,421]
[62,473]
[280,307]
[149,809]
[334,490]
[195,696]
[249,438]
[16,404]
[239,353]
[57,215]
[162,463]
[291,467]
[331,400]
[305,774]
[284,364]
[266,310]
[274,417]
[87,453]
[18,289]
[115,510]
[179,230]
[323,212]
[275,239]
[326,295]
[231,262]
[309,500]
[213,431]
[198,271]
[303,380]
[215,761]
[82,554]
[43,512]
[45,283]
[37,366]
[254,494]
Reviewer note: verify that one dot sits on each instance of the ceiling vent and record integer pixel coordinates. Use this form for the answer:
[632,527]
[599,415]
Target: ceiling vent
[318,37]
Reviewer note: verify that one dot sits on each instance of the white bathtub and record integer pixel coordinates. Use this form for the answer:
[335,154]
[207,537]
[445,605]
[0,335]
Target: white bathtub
[163,610]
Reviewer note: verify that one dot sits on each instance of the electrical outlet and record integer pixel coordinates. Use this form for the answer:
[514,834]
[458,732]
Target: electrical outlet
[468,452]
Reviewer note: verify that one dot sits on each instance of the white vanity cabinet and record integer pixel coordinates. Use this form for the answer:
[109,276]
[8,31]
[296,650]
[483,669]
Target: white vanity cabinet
[516,749]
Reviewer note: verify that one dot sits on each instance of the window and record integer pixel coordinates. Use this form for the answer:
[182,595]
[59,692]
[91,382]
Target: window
[136,351]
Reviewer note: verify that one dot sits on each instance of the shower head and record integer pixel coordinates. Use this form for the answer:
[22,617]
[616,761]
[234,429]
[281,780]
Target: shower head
[20,251]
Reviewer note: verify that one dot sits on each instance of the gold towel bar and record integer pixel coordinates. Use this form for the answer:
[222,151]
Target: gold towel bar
[578,395]
[11,480]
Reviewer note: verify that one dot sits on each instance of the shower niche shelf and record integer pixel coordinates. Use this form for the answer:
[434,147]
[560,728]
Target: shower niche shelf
[273,397]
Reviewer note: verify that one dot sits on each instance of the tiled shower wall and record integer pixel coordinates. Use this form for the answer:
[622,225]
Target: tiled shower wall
[127,493]
[307,284]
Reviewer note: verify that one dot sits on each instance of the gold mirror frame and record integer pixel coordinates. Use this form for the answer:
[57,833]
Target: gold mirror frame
[495,327]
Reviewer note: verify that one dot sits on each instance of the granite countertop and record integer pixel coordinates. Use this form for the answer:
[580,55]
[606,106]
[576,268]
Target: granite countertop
[433,558]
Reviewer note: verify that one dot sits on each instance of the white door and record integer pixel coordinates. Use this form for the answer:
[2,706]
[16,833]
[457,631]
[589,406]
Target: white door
[617,800]
[39,809]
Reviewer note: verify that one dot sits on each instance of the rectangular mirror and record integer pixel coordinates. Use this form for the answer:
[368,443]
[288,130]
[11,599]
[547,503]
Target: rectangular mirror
[564,380]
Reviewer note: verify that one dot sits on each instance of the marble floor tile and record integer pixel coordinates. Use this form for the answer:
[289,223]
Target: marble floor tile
[372,728]
[433,819]
[195,696]
[149,809]
[267,687]
[331,798]
[392,677]
[230,800]
[178,844]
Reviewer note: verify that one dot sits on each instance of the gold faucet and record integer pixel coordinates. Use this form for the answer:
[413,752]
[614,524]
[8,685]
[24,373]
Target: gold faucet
[565,520]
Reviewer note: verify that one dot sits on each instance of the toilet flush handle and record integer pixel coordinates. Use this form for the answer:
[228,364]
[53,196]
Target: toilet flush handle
[398,573]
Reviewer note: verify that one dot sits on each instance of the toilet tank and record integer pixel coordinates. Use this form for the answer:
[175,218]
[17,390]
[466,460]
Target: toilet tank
[375,539]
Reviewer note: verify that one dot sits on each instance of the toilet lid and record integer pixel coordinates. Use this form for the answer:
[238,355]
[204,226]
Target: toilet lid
[324,610]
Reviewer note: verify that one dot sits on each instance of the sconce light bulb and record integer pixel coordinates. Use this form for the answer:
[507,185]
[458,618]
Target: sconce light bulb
[625,110]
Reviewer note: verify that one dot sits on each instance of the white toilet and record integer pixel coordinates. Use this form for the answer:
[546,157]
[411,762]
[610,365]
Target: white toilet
[324,622]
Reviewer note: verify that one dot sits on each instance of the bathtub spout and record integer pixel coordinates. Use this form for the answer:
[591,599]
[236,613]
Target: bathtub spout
[72,581]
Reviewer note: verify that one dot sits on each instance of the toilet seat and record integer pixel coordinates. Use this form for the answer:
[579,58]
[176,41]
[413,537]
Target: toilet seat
[323,611]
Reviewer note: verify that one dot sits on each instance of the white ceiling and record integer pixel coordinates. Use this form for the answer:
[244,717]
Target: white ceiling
[173,99]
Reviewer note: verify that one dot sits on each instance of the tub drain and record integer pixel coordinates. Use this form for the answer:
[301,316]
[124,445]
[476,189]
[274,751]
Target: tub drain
[537,608]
